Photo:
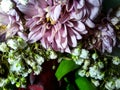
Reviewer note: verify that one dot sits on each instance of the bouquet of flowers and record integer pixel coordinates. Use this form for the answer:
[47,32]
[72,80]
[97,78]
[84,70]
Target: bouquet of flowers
[59,44]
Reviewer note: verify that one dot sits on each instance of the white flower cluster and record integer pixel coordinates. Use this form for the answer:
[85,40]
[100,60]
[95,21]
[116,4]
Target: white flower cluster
[22,61]
[113,84]
[80,55]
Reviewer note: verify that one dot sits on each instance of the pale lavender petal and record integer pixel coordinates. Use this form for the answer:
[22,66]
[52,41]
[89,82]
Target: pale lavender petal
[55,12]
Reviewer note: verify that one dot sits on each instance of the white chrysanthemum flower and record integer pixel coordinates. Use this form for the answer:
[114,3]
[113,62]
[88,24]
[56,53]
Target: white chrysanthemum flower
[23,2]
[86,63]
[39,59]
[6,5]
[95,82]
[82,73]
[84,54]
[12,44]
[3,47]
[79,61]
[76,51]
[117,83]
[110,85]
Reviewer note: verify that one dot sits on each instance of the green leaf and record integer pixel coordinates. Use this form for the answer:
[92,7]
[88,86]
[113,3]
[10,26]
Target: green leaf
[65,67]
[84,84]
[70,87]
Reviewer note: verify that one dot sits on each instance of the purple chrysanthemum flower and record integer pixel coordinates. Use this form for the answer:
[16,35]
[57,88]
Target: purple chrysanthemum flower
[58,24]
[106,38]
[11,22]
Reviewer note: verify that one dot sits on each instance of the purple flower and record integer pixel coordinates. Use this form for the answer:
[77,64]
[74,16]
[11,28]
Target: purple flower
[11,21]
[59,24]
[106,38]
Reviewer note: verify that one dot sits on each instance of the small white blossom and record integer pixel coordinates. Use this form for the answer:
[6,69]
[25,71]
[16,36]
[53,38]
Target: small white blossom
[86,63]
[3,47]
[79,61]
[100,76]
[95,72]
[76,51]
[2,82]
[23,2]
[12,44]
[37,70]
[110,85]
[52,54]
[114,20]
[100,64]
[16,66]
[84,54]
[95,82]
[6,5]
[94,56]
[39,59]
[117,83]
[116,60]
[82,73]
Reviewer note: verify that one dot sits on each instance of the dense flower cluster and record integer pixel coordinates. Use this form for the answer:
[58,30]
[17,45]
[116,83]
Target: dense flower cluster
[33,32]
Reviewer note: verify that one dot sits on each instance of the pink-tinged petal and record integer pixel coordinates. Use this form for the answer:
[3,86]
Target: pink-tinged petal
[4,19]
[95,2]
[80,4]
[55,12]
[28,9]
[80,27]
[90,23]
[23,35]
[58,40]
[50,35]
[64,42]
[77,34]
[42,3]
[94,13]
[72,39]
[63,31]
[34,30]
[37,35]
[69,24]
[65,17]
[70,5]
[67,49]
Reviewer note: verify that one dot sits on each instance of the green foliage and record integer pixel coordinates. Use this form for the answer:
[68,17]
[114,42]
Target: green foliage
[84,84]
[65,67]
